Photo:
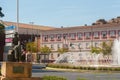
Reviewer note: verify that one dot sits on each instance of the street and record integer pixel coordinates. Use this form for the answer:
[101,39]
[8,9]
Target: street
[76,75]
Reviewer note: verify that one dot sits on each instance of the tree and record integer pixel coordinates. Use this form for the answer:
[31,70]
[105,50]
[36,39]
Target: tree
[106,48]
[2,37]
[45,50]
[2,41]
[62,50]
[1,14]
[31,46]
[96,50]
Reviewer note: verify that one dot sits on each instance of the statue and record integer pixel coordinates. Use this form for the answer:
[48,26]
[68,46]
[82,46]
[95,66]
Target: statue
[16,49]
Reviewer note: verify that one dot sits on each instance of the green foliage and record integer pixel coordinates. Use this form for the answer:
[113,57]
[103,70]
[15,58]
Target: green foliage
[67,66]
[45,50]
[2,26]
[2,35]
[81,79]
[31,46]
[53,78]
[106,48]
[1,14]
[96,50]
[62,50]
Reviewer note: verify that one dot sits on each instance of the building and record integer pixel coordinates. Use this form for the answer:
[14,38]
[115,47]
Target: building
[76,39]
[81,38]
[27,33]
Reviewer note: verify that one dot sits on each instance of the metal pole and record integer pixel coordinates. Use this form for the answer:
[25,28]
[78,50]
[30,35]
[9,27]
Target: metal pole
[17,15]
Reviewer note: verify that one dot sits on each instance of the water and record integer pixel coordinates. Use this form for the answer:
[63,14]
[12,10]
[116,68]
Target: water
[78,58]
[92,59]
[116,52]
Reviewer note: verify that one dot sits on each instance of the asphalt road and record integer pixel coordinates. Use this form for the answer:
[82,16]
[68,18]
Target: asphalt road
[76,75]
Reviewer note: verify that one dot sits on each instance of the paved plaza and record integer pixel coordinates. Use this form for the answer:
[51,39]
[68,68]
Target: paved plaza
[76,75]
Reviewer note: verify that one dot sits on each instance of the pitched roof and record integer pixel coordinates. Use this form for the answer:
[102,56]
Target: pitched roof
[23,25]
[87,27]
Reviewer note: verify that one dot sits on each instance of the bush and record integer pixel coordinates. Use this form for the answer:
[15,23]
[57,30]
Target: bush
[81,79]
[67,66]
[53,78]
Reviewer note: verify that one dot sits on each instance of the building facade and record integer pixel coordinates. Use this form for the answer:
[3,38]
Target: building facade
[80,38]
[76,39]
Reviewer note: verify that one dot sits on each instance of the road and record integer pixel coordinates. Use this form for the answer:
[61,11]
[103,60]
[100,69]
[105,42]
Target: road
[76,75]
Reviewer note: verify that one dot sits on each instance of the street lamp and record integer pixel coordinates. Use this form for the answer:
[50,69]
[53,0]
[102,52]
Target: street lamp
[17,15]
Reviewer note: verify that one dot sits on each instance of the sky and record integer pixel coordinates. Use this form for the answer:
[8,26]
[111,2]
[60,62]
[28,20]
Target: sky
[57,13]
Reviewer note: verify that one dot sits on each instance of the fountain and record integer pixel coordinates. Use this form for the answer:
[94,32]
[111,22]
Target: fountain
[116,52]
[93,59]
[81,58]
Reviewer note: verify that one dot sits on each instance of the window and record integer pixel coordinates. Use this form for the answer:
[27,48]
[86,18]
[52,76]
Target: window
[58,55]
[52,57]
[96,44]
[58,46]
[104,34]
[45,37]
[80,35]
[52,37]
[87,45]
[87,35]
[72,36]
[112,33]
[65,36]
[96,35]
[119,33]
[58,37]
[52,47]
[79,45]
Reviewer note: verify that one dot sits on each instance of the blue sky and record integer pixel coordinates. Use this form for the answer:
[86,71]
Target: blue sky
[59,13]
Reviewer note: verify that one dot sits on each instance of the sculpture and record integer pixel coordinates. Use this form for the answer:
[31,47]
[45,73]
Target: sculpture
[16,49]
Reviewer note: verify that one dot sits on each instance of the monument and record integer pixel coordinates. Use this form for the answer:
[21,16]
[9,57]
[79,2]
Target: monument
[14,54]
[14,68]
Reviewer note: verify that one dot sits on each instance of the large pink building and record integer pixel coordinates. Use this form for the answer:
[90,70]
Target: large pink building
[81,38]
[76,38]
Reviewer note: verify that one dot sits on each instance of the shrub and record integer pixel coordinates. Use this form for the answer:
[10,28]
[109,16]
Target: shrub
[81,79]
[67,66]
[53,78]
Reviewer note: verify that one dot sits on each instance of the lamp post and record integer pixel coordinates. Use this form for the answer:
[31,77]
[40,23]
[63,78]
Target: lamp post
[17,15]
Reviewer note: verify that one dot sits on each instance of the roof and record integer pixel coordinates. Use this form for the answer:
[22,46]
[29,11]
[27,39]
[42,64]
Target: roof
[87,27]
[31,26]
[48,28]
